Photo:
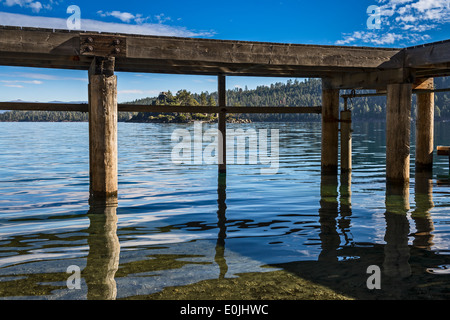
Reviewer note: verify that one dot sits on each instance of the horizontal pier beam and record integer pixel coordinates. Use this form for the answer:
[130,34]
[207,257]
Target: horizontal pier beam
[38,47]
[40,106]
[436,55]
[349,67]
[44,106]
[207,109]
[375,94]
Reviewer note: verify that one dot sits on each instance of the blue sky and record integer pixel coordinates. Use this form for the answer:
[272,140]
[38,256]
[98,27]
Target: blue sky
[401,23]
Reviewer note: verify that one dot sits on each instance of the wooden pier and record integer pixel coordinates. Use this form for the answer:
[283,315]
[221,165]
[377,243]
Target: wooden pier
[396,72]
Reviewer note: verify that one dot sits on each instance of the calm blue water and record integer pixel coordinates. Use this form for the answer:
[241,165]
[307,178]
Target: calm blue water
[177,225]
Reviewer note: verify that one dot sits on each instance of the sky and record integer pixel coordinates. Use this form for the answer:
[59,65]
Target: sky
[376,23]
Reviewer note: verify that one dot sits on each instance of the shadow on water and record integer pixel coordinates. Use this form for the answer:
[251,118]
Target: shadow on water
[407,271]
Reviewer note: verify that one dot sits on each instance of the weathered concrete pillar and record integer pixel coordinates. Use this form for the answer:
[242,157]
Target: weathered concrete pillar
[425,127]
[346,141]
[222,121]
[103,128]
[398,126]
[330,129]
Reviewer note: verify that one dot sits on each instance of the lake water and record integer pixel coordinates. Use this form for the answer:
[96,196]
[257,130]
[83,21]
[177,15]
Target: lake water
[181,232]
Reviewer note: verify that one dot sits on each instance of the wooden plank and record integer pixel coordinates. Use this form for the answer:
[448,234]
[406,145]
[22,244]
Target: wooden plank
[209,109]
[41,106]
[371,80]
[146,47]
[38,60]
[435,55]
[169,50]
[443,151]
[41,41]
[238,57]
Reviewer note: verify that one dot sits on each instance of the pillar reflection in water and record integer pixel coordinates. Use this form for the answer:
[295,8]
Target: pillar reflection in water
[219,258]
[328,212]
[423,196]
[345,201]
[104,250]
[396,250]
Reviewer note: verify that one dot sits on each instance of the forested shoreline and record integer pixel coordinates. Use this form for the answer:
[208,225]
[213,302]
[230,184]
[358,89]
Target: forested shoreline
[291,93]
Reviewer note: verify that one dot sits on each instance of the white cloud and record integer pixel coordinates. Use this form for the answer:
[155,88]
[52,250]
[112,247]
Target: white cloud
[36,78]
[374,38]
[161,18]
[13,19]
[403,22]
[123,16]
[137,18]
[22,81]
[424,5]
[35,6]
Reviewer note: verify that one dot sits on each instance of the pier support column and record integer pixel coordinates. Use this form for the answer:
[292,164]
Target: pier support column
[425,127]
[103,129]
[398,126]
[222,121]
[346,141]
[330,129]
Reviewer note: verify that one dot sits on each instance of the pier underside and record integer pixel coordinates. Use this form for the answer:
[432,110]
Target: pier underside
[396,72]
